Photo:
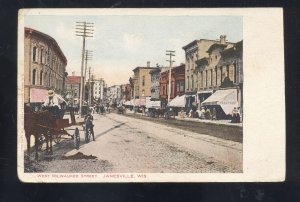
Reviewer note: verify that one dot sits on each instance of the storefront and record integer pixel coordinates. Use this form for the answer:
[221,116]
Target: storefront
[223,101]
[190,101]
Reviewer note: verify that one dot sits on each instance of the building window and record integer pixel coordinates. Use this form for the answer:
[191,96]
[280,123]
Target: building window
[143,92]
[235,73]
[227,71]
[201,76]
[41,58]
[181,87]
[45,79]
[192,82]
[41,78]
[216,57]
[188,82]
[211,75]
[221,74]
[216,71]
[143,81]
[177,87]
[33,76]
[34,54]
[206,78]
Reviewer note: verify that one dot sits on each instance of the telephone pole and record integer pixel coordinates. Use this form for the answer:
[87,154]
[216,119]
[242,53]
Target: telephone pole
[89,84]
[83,29]
[170,53]
[88,56]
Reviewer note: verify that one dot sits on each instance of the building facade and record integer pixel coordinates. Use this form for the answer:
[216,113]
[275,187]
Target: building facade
[177,82]
[221,70]
[44,65]
[125,92]
[198,51]
[114,94]
[142,81]
[155,86]
[73,90]
[98,86]
[195,51]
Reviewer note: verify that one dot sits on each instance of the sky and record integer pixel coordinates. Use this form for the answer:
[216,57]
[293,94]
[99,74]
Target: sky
[121,43]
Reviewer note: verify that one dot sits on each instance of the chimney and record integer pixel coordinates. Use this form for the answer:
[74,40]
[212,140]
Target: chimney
[148,63]
[223,39]
[73,73]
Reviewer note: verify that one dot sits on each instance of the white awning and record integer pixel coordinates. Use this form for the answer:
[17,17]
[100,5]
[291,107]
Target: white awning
[60,98]
[178,101]
[227,99]
[128,103]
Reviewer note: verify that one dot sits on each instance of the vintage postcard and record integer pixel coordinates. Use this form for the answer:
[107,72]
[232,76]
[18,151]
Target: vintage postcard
[151,95]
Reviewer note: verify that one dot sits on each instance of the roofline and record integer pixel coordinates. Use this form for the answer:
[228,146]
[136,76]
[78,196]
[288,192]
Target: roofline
[30,30]
[198,40]
[142,68]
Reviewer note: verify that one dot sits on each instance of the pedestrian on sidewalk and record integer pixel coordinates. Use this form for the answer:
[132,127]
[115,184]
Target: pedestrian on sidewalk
[214,114]
[207,113]
[234,116]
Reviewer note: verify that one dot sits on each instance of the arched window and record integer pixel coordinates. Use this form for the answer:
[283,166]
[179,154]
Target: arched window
[41,56]
[33,76]
[45,79]
[192,82]
[41,77]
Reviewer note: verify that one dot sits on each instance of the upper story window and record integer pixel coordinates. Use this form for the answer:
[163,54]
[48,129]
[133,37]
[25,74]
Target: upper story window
[41,56]
[143,80]
[33,76]
[34,54]
[216,57]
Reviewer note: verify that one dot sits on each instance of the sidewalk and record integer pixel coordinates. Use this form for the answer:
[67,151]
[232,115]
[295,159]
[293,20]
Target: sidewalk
[217,122]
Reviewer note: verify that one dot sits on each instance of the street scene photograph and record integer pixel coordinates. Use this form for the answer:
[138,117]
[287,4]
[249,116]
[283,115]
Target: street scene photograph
[132,94]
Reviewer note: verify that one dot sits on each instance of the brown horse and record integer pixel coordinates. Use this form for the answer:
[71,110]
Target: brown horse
[38,124]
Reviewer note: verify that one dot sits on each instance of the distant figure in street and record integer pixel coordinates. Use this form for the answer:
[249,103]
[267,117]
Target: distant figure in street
[235,116]
[202,113]
[214,114]
[207,113]
[88,119]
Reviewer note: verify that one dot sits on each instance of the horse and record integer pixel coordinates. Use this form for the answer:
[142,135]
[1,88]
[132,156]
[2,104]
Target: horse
[38,123]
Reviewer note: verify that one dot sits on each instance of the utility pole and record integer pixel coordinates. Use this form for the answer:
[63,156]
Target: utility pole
[83,29]
[170,53]
[88,56]
[89,84]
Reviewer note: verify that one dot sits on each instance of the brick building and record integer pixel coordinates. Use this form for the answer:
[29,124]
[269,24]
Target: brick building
[44,66]
[177,82]
[73,90]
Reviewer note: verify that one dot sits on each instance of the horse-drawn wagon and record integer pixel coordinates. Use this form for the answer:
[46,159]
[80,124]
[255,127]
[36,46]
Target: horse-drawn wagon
[48,127]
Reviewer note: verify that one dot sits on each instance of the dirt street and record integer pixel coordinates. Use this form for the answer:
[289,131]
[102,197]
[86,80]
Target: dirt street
[125,144]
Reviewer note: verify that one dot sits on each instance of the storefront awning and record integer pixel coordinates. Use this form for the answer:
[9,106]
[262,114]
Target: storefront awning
[60,98]
[139,102]
[178,101]
[38,95]
[128,103]
[227,99]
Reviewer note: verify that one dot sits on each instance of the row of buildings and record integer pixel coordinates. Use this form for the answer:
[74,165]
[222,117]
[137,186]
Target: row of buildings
[213,69]
[211,76]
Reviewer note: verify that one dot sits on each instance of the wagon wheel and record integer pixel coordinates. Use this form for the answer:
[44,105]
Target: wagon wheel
[76,138]
[41,139]
[57,138]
